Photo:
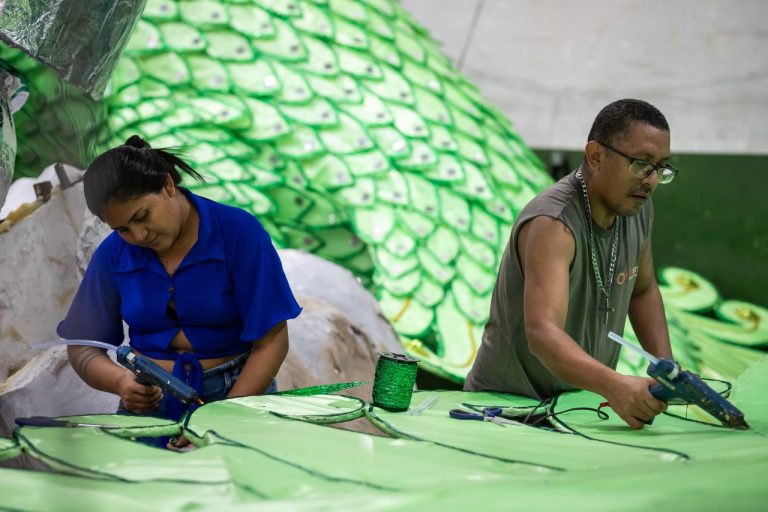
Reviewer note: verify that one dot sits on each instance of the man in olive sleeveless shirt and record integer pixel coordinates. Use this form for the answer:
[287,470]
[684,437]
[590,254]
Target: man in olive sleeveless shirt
[577,263]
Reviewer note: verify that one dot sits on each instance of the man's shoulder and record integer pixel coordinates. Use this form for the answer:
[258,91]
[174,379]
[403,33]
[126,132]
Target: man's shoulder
[554,201]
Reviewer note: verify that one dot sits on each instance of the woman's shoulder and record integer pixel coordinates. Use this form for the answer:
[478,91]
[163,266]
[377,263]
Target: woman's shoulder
[224,212]
[237,228]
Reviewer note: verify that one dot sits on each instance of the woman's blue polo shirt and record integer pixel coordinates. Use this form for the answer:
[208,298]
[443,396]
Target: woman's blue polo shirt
[229,290]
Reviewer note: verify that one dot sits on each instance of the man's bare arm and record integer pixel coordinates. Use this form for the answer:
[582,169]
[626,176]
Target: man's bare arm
[546,249]
[646,309]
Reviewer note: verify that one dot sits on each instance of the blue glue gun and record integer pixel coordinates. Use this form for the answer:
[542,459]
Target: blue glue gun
[150,373]
[681,386]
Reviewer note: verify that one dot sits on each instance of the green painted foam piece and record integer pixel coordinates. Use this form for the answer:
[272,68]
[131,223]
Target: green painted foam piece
[9,448]
[264,451]
[684,430]
[519,443]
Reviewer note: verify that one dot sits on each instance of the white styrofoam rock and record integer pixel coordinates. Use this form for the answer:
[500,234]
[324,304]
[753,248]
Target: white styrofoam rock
[313,276]
[325,347]
[22,190]
[47,386]
[37,280]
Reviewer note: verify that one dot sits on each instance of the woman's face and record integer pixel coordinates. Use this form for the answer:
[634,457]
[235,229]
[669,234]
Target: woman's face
[152,220]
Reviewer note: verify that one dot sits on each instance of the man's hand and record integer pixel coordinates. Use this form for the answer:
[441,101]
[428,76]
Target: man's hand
[631,398]
[137,398]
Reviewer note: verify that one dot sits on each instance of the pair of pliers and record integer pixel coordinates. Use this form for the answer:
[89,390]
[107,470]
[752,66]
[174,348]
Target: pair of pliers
[489,414]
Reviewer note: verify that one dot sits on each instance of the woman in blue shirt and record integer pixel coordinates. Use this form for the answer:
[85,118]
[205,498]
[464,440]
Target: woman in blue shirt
[198,283]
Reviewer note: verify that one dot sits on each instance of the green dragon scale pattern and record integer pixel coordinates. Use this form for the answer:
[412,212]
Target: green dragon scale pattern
[344,129]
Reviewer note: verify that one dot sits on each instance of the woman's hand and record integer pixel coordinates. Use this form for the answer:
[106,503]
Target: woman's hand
[137,398]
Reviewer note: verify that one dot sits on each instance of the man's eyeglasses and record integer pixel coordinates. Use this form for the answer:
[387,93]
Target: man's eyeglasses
[641,169]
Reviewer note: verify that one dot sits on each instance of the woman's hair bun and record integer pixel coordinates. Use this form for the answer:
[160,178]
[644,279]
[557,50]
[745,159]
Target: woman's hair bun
[136,142]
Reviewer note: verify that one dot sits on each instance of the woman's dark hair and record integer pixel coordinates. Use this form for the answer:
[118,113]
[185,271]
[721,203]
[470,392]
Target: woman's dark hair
[615,119]
[130,171]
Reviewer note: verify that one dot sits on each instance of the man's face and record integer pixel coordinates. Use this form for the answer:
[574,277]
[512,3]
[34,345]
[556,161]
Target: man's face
[623,193]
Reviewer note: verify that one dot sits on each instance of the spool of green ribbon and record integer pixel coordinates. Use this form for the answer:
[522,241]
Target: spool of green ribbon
[394,380]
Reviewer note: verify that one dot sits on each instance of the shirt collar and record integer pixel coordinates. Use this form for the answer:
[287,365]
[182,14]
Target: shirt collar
[209,245]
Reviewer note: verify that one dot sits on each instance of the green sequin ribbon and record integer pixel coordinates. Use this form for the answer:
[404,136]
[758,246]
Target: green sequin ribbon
[394,380]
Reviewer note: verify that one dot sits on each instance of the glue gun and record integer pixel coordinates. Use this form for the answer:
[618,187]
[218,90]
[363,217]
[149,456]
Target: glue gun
[150,373]
[676,384]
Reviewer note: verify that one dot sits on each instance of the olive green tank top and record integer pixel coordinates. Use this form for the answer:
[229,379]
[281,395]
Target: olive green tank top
[504,362]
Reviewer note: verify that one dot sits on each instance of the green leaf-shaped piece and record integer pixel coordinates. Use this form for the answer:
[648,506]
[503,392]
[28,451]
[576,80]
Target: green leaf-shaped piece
[392,87]
[160,10]
[367,163]
[421,157]
[353,10]
[321,60]
[417,224]
[454,210]
[339,243]
[374,224]
[301,142]
[266,122]
[444,245]
[390,141]
[204,13]
[371,112]
[317,112]
[285,45]
[393,188]
[394,265]
[348,136]
[294,89]
[441,272]
[340,88]
[169,68]
[407,316]
[357,63]
[315,21]
[475,275]
[208,74]
[473,306]
[408,122]
[252,22]
[284,8]
[348,34]
[447,170]
[328,172]
[256,78]
[145,38]
[228,46]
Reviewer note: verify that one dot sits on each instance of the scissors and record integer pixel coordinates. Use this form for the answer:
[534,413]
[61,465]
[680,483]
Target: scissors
[489,414]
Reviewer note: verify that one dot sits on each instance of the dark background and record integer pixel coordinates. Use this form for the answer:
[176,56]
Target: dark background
[713,219]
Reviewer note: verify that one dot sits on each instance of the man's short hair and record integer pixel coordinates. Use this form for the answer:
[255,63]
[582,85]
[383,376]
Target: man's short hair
[616,118]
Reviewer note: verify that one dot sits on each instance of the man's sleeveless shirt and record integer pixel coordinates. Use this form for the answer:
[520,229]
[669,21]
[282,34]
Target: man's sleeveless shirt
[504,362]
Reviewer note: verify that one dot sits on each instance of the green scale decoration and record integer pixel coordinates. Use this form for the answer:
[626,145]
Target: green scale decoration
[342,126]
[346,131]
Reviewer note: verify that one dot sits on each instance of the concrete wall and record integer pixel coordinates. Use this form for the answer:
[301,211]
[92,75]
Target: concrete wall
[551,65]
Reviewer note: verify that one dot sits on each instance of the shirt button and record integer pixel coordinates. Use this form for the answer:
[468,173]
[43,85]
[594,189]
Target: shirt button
[170,290]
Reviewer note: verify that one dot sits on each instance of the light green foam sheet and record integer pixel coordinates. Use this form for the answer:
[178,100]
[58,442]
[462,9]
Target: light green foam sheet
[255,454]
